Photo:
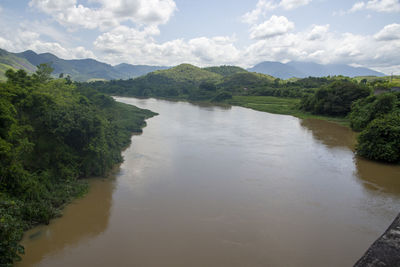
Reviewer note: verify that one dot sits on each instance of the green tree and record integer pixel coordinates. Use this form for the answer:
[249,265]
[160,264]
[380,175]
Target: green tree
[365,110]
[335,99]
[51,134]
[381,139]
[43,72]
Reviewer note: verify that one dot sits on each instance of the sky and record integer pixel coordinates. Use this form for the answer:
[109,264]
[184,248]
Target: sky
[207,32]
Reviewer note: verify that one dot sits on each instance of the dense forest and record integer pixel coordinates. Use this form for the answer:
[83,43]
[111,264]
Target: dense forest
[52,133]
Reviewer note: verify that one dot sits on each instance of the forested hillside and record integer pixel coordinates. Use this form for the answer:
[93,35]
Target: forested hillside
[52,133]
[77,69]
[10,61]
[225,70]
[182,81]
[209,84]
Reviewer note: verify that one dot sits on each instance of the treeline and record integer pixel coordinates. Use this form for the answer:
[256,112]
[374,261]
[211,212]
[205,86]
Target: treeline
[53,132]
[209,84]
[377,117]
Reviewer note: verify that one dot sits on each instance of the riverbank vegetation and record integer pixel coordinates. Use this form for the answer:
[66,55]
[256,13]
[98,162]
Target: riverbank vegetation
[348,101]
[377,117]
[52,133]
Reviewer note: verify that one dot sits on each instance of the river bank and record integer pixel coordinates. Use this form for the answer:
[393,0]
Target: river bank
[215,186]
[281,105]
[270,104]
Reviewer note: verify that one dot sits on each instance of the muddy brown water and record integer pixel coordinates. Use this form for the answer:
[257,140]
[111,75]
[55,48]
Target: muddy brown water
[215,186]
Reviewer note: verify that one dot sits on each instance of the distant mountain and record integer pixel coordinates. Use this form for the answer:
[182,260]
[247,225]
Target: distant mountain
[90,69]
[133,71]
[319,70]
[11,61]
[78,69]
[305,69]
[277,69]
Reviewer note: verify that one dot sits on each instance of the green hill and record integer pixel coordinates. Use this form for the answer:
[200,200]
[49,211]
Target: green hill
[245,81]
[11,61]
[181,81]
[225,70]
[187,73]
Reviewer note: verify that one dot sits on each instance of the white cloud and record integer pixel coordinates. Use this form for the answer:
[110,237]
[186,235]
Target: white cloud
[81,52]
[388,6]
[357,6]
[318,44]
[265,6]
[274,37]
[272,27]
[23,39]
[261,9]
[110,14]
[125,44]
[384,5]
[389,33]
[318,32]
[5,44]
[292,4]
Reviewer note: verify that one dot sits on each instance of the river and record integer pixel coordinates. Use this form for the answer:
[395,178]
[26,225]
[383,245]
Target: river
[218,186]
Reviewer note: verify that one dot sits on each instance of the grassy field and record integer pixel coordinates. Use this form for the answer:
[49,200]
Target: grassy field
[280,105]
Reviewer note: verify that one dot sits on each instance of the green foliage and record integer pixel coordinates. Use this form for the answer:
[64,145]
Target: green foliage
[189,82]
[225,70]
[365,110]
[334,99]
[189,73]
[221,96]
[269,104]
[208,86]
[381,139]
[11,231]
[51,134]
[182,82]
[244,81]
[43,73]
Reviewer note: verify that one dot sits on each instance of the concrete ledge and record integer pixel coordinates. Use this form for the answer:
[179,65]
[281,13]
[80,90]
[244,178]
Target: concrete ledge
[386,250]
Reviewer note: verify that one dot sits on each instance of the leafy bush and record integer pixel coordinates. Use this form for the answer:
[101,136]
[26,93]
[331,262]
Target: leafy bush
[365,110]
[221,96]
[381,139]
[335,99]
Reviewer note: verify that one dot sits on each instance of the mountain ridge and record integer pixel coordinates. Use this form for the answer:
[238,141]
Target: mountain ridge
[90,69]
[78,69]
[299,69]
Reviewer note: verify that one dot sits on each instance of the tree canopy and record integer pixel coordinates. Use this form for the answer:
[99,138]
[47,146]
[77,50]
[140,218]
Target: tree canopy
[51,134]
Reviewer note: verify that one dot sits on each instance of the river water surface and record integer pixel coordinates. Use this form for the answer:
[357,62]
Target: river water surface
[215,186]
